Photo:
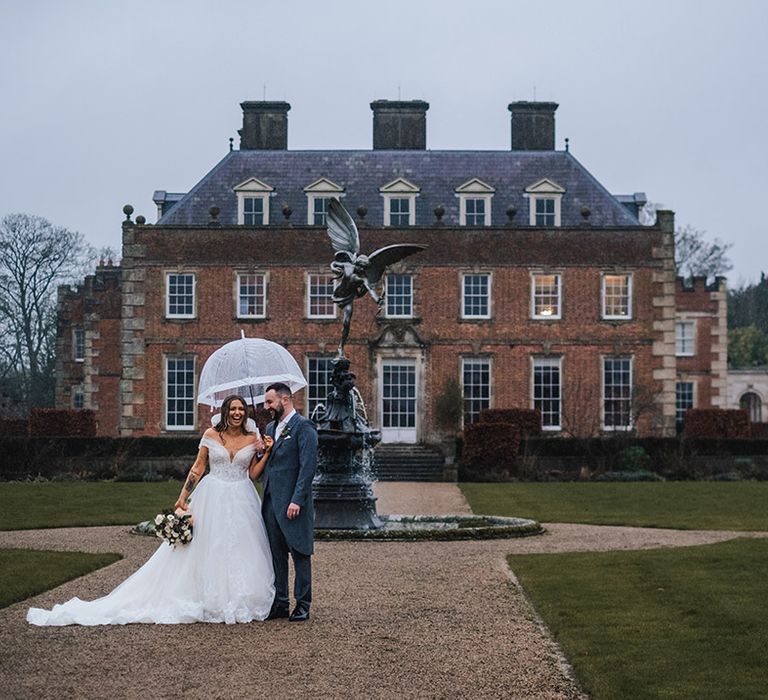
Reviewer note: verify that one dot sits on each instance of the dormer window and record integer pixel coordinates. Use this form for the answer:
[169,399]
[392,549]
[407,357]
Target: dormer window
[475,203]
[545,199]
[319,193]
[399,202]
[253,202]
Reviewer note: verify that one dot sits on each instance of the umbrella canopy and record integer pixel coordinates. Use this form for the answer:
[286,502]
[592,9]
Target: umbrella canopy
[247,367]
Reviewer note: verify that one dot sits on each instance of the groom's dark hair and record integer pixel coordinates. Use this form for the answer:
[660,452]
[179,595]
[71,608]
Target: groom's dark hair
[280,389]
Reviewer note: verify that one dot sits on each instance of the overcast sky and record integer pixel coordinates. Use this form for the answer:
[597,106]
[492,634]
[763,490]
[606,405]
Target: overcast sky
[101,103]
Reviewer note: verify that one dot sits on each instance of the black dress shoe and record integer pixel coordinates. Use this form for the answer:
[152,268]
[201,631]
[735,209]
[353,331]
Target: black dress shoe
[299,614]
[277,612]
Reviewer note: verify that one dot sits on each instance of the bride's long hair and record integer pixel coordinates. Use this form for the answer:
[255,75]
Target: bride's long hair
[223,423]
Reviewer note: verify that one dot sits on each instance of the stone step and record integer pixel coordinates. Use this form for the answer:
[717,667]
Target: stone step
[395,462]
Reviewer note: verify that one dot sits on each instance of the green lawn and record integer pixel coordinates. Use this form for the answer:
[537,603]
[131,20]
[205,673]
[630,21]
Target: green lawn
[685,505]
[71,504]
[670,623]
[27,572]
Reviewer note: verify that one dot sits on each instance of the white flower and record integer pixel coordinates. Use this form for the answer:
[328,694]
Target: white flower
[158,519]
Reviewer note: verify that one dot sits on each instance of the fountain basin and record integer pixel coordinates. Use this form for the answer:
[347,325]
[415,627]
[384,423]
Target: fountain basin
[414,528]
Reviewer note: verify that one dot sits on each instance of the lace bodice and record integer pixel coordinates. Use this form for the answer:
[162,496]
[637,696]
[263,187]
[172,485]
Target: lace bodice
[222,467]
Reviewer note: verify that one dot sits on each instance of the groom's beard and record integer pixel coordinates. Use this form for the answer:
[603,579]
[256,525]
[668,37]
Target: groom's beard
[277,413]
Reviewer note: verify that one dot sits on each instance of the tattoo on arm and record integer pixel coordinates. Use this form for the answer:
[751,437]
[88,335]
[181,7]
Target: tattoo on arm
[190,485]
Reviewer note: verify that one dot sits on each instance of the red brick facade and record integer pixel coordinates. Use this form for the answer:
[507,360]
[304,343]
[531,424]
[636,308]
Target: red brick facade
[436,337]
[702,358]
[128,343]
[93,310]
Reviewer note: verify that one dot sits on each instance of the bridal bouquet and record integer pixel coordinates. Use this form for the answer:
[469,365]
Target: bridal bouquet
[174,527]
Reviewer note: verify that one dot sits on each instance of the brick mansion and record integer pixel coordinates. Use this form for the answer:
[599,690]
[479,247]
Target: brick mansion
[538,287]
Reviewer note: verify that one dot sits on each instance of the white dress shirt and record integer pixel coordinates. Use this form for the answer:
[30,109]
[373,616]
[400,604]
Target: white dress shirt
[281,425]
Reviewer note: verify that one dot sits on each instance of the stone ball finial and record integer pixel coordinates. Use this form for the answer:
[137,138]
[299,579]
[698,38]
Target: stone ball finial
[141,220]
[439,212]
[586,212]
[214,211]
[127,210]
[287,211]
[511,211]
[362,211]
[231,144]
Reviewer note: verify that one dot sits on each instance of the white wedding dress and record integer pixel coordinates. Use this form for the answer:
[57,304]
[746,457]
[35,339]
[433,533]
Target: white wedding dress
[224,575]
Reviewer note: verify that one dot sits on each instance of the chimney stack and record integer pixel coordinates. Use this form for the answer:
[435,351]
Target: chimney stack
[399,125]
[533,126]
[265,126]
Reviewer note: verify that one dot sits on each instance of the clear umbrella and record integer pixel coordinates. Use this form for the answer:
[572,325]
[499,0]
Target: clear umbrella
[247,367]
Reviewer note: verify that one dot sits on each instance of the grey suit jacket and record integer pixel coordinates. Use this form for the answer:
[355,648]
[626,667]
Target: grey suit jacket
[288,479]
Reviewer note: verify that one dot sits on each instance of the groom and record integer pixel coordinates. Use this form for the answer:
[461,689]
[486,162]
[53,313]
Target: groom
[287,505]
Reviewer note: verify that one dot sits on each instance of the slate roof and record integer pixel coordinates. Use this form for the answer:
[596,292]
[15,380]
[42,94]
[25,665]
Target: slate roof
[436,173]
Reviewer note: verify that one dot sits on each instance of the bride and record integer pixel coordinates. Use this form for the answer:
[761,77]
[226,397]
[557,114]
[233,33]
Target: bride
[225,574]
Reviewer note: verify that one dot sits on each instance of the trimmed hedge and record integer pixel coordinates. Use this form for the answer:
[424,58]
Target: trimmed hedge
[13,427]
[716,423]
[759,430]
[525,421]
[64,422]
[91,458]
[489,451]
[653,446]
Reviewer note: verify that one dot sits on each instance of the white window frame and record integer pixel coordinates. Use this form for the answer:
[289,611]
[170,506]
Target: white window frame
[476,317]
[388,295]
[630,425]
[308,297]
[76,356]
[559,280]
[322,188]
[475,189]
[755,412]
[168,313]
[694,393]
[264,278]
[681,338]
[168,426]
[311,199]
[400,189]
[78,390]
[545,189]
[313,401]
[479,360]
[548,362]
[253,188]
[630,294]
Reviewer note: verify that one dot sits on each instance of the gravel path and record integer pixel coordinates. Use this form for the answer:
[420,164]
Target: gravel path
[390,620]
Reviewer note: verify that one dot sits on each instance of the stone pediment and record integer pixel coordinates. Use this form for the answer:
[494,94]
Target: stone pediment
[253,184]
[400,185]
[475,186]
[545,186]
[323,185]
[399,335]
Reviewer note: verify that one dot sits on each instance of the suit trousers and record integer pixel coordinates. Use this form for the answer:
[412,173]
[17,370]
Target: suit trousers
[302,563]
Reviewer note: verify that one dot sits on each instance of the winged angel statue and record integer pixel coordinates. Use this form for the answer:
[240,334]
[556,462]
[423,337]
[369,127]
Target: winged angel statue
[357,274]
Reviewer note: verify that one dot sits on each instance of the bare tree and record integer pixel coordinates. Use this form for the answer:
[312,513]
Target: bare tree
[35,257]
[696,256]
